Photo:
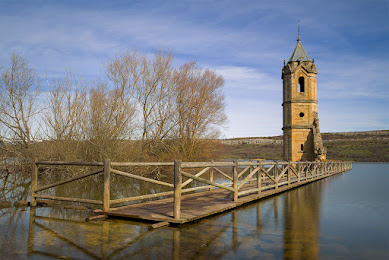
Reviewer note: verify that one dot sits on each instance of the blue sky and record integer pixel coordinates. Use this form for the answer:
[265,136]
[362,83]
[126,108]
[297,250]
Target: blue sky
[245,41]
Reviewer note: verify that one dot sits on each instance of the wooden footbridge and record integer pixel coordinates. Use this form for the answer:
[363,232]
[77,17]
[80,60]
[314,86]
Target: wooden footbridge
[220,186]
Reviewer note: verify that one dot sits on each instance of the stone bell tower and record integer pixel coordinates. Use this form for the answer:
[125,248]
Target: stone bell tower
[302,138]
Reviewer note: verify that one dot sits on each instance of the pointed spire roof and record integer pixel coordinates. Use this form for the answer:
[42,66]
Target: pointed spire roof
[299,53]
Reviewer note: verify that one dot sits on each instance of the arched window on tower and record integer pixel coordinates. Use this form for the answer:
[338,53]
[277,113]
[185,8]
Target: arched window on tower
[301,84]
[302,147]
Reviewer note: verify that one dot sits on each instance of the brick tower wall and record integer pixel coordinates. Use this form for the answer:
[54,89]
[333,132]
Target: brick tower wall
[299,111]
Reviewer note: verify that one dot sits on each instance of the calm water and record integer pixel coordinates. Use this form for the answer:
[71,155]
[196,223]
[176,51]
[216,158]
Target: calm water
[341,217]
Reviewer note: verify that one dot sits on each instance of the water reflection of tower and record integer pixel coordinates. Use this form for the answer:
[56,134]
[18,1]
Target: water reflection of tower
[302,222]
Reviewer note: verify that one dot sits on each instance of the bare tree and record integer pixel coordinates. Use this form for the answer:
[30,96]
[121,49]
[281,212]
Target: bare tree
[5,146]
[109,121]
[66,108]
[64,115]
[147,81]
[18,94]
[172,112]
[177,107]
[199,106]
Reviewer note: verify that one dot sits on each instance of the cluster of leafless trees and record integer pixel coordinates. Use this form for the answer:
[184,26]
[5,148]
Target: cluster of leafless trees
[146,109]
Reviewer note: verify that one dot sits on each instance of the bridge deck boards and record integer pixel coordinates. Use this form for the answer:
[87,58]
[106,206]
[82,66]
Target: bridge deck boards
[194,206]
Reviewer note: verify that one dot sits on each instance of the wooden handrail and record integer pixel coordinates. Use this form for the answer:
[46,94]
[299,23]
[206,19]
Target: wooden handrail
[78,177]
[197,175]
[279,173]
[248,177]
[243,171]
[142,178]
[266,172]
[206,181]
[70,163]
[222,173]
[142,163]
[159,194]
[282,173]
[98,202]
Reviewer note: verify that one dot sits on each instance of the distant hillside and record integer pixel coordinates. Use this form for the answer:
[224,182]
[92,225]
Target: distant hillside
[367,146]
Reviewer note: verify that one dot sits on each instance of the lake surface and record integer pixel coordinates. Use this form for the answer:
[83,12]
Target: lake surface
[344,217]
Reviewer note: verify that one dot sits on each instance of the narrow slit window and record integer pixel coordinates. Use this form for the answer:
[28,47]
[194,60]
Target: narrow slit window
[302,147]
[301,84]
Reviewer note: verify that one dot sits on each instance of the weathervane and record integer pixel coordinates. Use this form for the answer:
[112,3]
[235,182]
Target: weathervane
[298,38]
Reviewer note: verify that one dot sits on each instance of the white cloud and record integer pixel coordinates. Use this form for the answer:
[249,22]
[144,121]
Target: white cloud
[253,102]
[251,117]
[338,118]
[353,77]
[247,79]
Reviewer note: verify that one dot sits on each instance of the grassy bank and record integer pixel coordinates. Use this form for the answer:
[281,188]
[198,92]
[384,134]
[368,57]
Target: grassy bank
[372,146]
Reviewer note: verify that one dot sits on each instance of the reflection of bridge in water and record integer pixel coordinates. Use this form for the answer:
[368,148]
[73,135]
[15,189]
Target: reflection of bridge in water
[83,244]
[238,183]
[296,214]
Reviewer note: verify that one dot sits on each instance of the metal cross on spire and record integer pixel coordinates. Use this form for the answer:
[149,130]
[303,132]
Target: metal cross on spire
[298,38]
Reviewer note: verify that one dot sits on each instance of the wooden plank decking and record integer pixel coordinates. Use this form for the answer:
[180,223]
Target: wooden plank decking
[196,205]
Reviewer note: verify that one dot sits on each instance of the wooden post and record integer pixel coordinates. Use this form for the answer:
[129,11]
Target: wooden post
[107,184]
[250,171]
[259,178]
[313,173]
[332,167]
[211,175]
[289,171]
[325,168]
[235,180]
[177,189]
[276,174]
[319,168]
[34,182]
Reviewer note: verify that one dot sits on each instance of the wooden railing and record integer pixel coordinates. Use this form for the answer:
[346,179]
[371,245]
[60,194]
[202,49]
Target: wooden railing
[232,176]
